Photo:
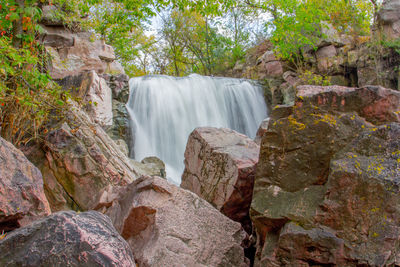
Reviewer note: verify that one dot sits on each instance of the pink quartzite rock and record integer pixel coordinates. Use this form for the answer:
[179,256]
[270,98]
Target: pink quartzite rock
[22,198]
[67,239]
[220,168]
[326,191]
[83,159]
[168,226]
[376,104]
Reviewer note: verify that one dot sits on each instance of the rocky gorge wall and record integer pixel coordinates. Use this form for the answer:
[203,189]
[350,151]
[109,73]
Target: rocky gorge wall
[318,187]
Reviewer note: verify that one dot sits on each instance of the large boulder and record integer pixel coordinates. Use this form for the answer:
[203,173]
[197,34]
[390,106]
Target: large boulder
[78,160]
[389,18]
[325,180]
[220,167]
[66,239]
[168,226]
[22,198]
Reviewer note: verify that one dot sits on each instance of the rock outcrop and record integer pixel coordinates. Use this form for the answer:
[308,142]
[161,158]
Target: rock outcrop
[66,239]
[76,52]
[120,128]
[78,160]
[220,167]
[169,226]
[22,198]
[94,93]
[326,187]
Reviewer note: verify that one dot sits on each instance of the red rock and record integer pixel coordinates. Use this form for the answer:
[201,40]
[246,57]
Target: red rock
[220,168]
[67,239]
[376,104]
[22,198]
[168,226]
[273,69]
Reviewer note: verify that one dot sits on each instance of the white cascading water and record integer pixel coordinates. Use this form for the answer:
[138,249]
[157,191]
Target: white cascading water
[165,110]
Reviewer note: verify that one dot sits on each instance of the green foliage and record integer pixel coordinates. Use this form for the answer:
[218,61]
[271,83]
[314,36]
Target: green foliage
[308,77]
[392,44]
[28,97]
[297,24]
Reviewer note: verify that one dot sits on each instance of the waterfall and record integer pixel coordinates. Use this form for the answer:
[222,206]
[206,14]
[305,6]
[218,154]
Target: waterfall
[165,110]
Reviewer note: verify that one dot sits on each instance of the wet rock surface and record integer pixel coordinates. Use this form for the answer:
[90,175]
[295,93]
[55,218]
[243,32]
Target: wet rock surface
[66,239]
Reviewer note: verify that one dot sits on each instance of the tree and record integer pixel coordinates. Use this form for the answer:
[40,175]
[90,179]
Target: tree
[298,23]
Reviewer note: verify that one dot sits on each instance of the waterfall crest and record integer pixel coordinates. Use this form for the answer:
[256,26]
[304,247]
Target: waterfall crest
[165,110]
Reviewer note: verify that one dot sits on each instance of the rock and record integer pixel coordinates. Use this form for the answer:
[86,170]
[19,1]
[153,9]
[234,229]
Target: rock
[328,60]
[389,18]
[119,85]
[156,165]
[220,167]
[376,104]
[99,101]
[352,58]
[239,66]
[106,53]
[95,93]
[120,128]
[363,186]
[272,92]
[261,130]
[123,147]
[326,52]
[330,36]
[267,57]
[80,160]
[326,187]
[269,66]
[84,55]
[338,80]
[49,17]
[57,40]
[288,93]
[22,198]
[169,226]
[291,78]
[273,69]
[115,68]
[66,239]
[317,245]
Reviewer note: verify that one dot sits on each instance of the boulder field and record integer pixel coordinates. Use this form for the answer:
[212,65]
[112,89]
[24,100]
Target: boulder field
[322,189]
